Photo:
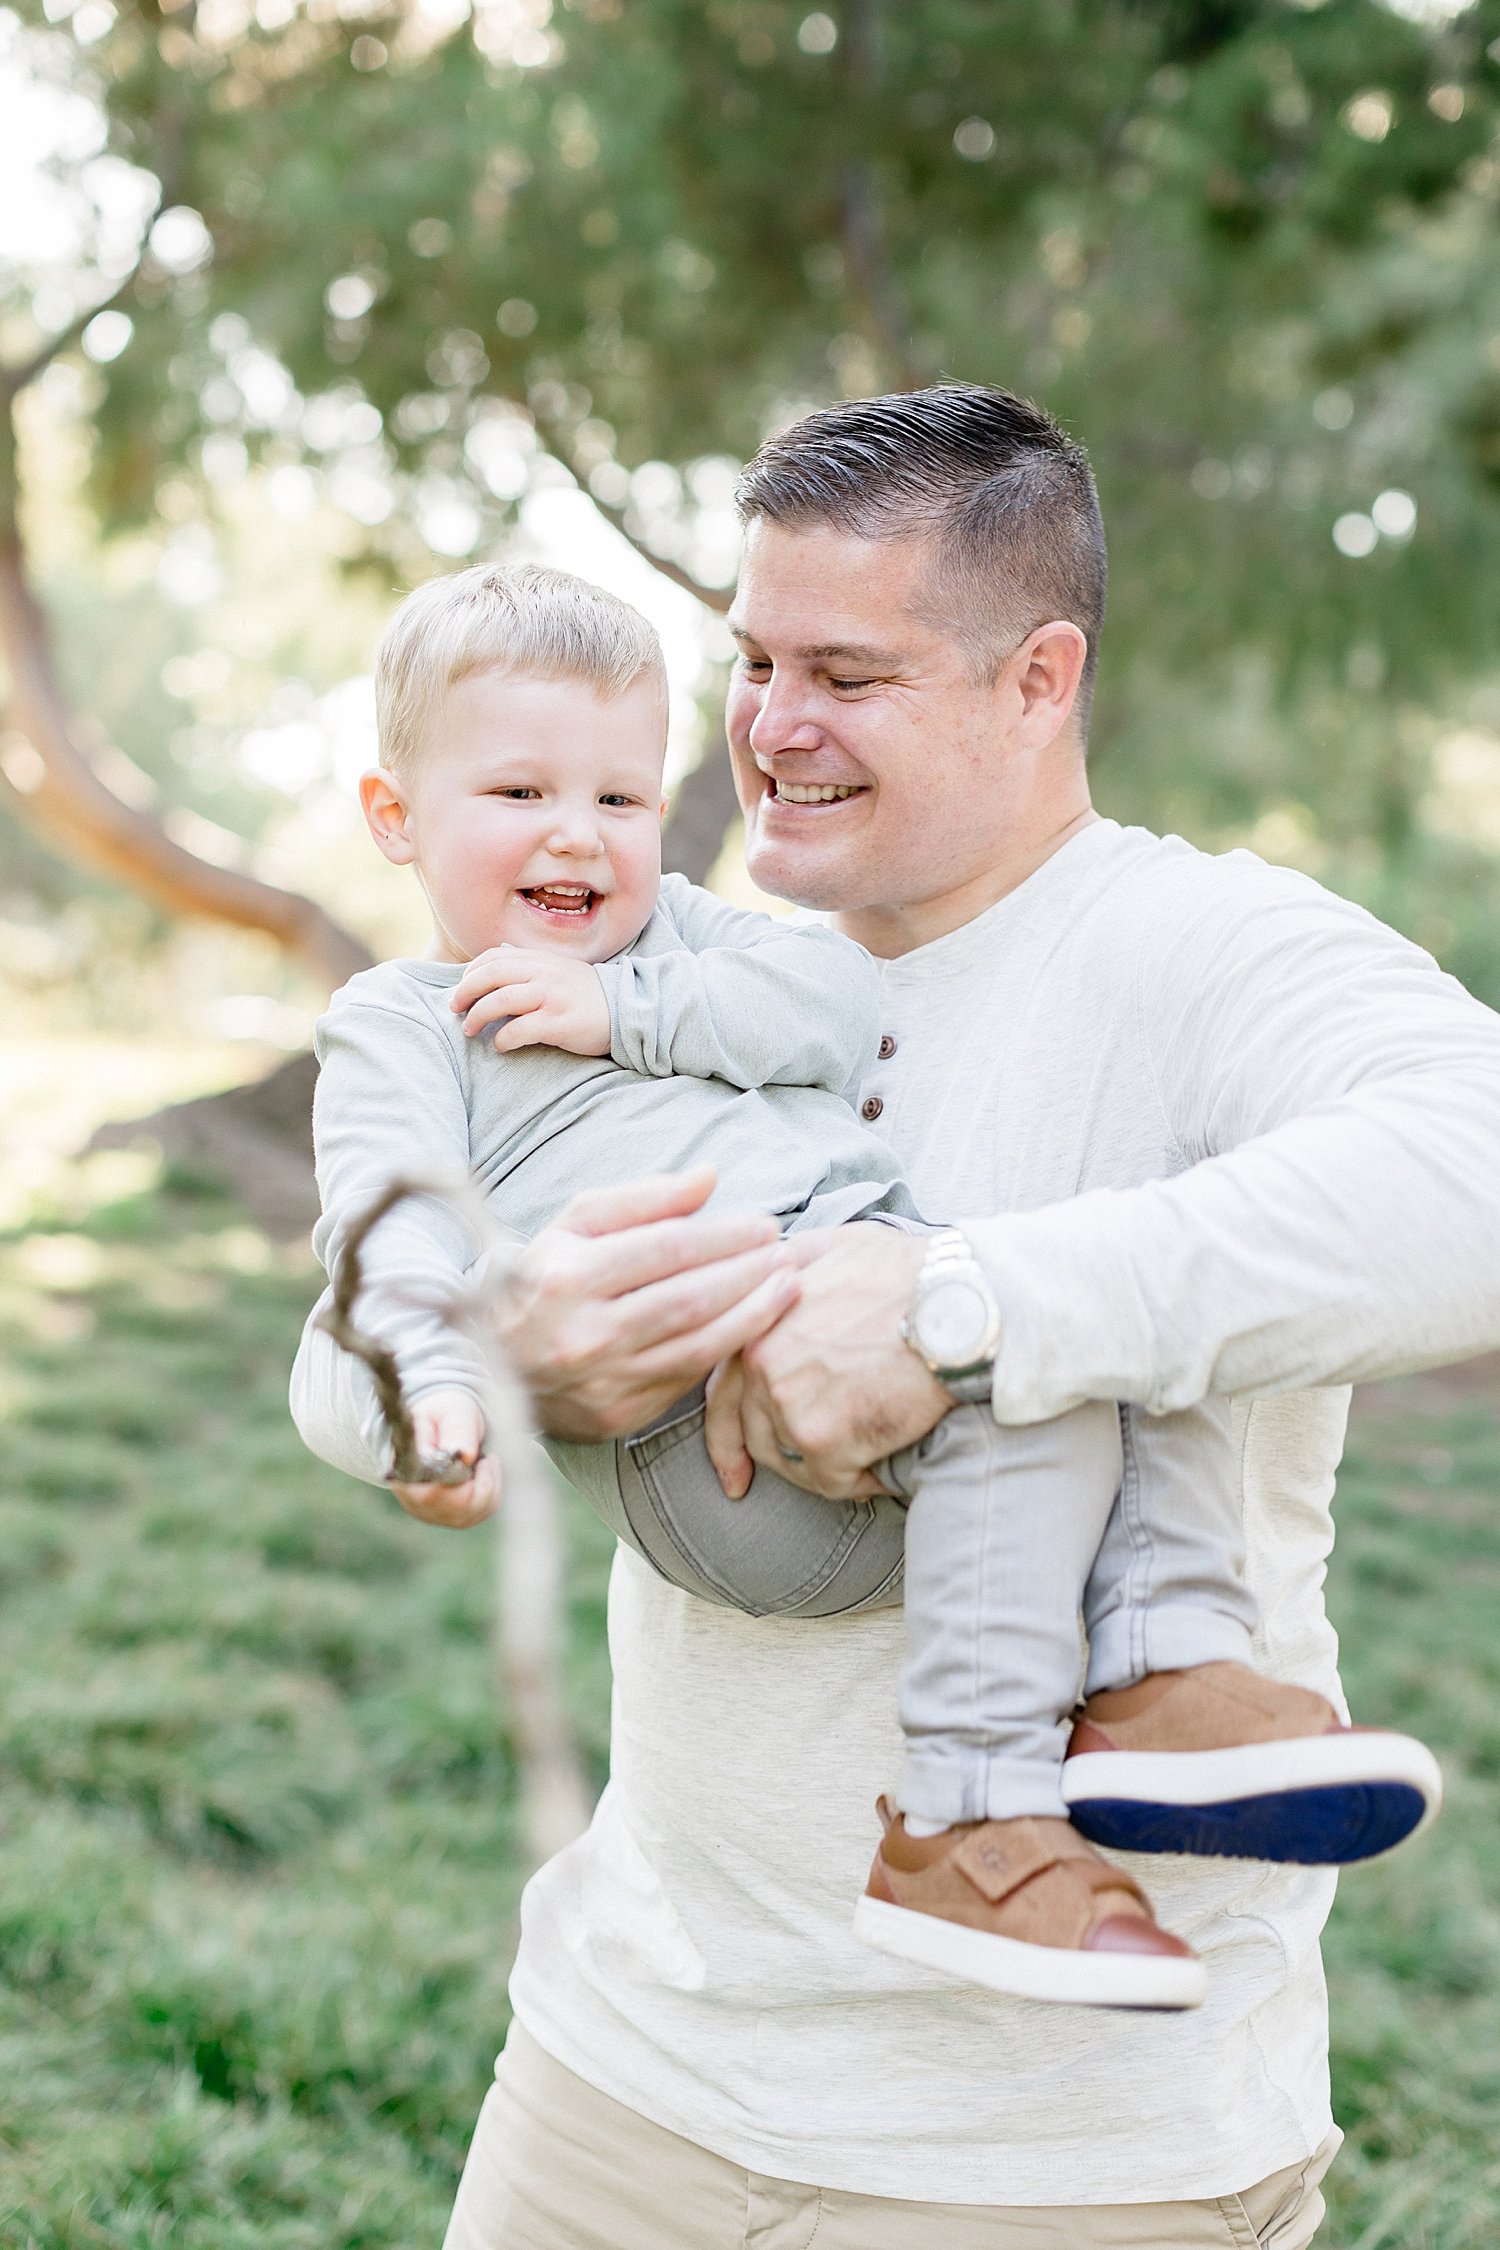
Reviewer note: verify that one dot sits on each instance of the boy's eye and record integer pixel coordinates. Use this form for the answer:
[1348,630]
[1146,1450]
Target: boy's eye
[616,797]
[517,795]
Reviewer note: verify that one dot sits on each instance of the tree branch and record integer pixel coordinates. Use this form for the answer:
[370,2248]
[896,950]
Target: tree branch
[76,813]
[70,807]
[703,807]
[14,380]
[530,1576]
[716,598]
[554,438]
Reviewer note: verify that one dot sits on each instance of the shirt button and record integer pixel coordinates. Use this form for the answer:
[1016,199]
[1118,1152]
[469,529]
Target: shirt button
[887,1046]
[870,1108]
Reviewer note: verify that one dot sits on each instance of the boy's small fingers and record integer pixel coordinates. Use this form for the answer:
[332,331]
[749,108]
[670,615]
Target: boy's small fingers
[487,1011]
[434,1503]
[452,1507]
[480,976]
[529,1030]
[515,1000]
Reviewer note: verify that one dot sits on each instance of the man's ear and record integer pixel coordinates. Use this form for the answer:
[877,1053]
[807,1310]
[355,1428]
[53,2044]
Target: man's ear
[387,810]
[1048,667]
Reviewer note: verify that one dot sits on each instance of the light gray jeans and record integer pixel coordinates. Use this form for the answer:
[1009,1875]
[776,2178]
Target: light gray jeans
[1011,1540]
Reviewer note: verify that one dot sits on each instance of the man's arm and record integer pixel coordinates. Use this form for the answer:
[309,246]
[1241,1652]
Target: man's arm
[748,999]
[1336,1100]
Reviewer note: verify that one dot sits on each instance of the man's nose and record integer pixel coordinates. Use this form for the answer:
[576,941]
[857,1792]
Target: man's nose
[783,721]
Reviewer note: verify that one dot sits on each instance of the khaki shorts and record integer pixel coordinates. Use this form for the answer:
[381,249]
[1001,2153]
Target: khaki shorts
[556,2166]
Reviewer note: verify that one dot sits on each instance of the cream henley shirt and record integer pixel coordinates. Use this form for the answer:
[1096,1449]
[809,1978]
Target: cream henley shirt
[1210,1129]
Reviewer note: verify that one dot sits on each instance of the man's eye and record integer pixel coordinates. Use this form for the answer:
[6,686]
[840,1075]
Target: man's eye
[847,686]
[753,664]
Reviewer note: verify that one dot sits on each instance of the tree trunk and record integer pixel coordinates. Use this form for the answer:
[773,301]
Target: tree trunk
[75,813]
[702,810]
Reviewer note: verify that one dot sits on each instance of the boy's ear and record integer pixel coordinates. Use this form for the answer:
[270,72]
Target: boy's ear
[387,811]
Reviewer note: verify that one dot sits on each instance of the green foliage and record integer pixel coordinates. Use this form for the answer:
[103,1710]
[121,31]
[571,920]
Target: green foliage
[1246,250]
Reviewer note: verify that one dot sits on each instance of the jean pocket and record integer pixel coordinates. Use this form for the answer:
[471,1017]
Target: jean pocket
[779,1552]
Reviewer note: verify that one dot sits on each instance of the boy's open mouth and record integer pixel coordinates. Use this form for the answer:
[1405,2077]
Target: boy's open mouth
[568,902]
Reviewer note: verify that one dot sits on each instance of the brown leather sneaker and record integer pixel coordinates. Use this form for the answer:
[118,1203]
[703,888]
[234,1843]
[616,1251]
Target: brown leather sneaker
[1024,1907]
[1219,1760]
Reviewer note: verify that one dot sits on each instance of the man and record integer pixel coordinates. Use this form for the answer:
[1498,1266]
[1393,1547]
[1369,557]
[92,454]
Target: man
[1210,1134]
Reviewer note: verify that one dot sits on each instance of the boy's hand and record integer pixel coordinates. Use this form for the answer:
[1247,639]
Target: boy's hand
[452,1422]
[550,1001]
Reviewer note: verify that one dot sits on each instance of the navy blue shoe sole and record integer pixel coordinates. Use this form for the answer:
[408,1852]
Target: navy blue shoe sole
[1326,1827]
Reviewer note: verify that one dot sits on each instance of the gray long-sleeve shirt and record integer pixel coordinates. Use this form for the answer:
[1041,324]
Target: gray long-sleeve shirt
[736,1040]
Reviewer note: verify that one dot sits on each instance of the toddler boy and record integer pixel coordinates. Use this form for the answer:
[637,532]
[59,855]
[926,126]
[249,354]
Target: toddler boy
[578,1020]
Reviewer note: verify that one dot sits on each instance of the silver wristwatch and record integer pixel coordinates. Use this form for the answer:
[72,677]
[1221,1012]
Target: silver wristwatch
[953,1325]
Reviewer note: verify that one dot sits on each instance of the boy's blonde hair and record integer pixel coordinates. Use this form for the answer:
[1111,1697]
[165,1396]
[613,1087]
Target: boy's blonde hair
[526,620]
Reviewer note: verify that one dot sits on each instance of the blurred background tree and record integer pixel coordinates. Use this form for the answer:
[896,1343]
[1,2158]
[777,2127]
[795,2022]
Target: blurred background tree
[383,273]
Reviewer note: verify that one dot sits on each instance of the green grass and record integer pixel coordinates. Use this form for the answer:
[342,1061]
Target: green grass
[1414,1949]
[258,1877]
[258,1873]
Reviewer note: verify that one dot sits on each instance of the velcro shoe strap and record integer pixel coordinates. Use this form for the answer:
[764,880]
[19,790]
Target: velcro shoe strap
[997,1857]
[1103,1875]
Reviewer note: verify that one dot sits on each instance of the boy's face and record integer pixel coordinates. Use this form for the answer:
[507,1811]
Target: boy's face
[532,816]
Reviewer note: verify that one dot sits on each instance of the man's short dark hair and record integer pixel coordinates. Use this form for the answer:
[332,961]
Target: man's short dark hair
[1006,496]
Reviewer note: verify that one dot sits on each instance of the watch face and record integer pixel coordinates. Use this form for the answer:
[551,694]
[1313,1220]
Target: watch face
[952,1324]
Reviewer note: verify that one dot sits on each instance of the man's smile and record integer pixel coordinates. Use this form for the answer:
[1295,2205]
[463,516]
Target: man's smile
[782,791]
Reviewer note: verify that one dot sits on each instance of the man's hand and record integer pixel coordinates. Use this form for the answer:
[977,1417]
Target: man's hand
[832,1388]
[452,1422]
[632,1296]
[547,999]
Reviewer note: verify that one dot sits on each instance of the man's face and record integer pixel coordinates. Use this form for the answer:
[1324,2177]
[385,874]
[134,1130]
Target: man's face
[875,774]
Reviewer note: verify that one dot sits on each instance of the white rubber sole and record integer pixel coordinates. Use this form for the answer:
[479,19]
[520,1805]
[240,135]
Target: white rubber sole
[1349,1759]
[1032,1972]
